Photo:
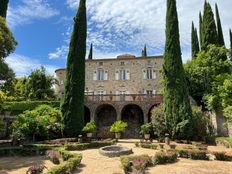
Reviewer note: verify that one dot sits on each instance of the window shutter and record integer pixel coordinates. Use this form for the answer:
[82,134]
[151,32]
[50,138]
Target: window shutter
[154,74]
[144,74]
[117,75]
[154,91]
[95,75]
[106,75]
[127,74]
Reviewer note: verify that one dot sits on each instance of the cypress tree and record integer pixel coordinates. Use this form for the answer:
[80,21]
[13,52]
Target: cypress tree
[145,51]
[3,8]
[221,41]
[230,39]
[177,107]
[209,31]
[200,28]
[195,42]
[90,57]
[73,105]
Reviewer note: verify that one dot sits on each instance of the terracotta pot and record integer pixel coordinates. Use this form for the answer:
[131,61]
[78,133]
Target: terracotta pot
[89,134]
[147,136]
[117,135]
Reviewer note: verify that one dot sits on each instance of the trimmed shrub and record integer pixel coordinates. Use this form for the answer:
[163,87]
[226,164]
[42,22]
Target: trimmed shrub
[53,156]
[164,157]
[21,151]
[17,108]
[198,155]
[146,145]
[68,166]
[183,153]
[126,161]
[222,156]
[84,146]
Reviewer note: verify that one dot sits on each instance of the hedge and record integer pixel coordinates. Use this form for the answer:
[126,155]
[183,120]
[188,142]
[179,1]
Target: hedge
[146,145]
[222,156]
[164,157]
[21,151]
[83,146]
[19,107]
[126,161]
[71,161]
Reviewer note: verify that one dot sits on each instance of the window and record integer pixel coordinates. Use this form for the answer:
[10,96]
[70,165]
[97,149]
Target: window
[122,63]
[122,95]
[148,62]
[149,73]
[100,74]
[62,82]
[100,63]
[149,92]
[122,74]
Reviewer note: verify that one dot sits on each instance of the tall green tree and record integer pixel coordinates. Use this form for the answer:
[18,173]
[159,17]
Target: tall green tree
[73,105]
[230,39]
[39,85]
[177,107]
[221,41]
[3,8]
[195,42]
[209,31]
[145,51]
[200,28]
[90,57]
[7,40]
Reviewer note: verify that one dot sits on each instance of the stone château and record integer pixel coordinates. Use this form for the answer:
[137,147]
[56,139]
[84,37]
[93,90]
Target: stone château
[124,88]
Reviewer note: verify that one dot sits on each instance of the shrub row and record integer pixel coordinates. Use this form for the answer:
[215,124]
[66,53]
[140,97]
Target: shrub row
[21,151]
[83,146]
[164,157]
[146,145]
[222,156]
[126,161]
[71,161]
[193,154]
[19,107]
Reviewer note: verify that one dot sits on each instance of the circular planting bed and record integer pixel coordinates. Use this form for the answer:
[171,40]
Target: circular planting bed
[115,151]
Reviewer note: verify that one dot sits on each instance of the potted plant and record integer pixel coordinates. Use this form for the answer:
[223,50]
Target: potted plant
[118,127]
[145,130]
[89,129]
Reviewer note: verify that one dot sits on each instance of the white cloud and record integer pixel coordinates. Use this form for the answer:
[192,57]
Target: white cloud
[60,52]
[116,25]
[23,65]
[28,11]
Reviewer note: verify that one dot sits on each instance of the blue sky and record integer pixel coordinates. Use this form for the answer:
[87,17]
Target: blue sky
[43,28]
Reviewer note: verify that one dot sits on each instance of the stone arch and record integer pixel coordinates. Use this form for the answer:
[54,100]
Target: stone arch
[134,116]
[106,115]
[149,114]
[87,116]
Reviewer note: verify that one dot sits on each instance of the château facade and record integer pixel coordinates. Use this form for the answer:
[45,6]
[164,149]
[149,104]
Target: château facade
[124,88]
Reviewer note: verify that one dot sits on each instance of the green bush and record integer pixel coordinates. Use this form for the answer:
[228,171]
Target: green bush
[146,128]
[183,153]
[21,151]
[126,161]
[146,145]
[222,156]
[198,155]
[68,166]
[42,123]
[19,107]
[164,157]
[118,126]
[90,127]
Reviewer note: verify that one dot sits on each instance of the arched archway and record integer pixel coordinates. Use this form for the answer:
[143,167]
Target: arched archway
[133,115]
[106,115]
[87,117]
